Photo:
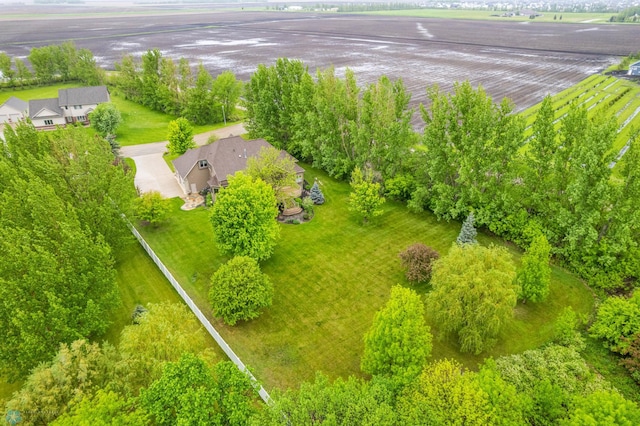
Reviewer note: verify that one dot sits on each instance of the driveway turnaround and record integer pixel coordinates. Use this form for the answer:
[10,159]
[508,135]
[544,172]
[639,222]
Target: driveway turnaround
[153,173]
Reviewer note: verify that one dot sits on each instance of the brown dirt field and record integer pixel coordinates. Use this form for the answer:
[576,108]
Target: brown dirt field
[522,61]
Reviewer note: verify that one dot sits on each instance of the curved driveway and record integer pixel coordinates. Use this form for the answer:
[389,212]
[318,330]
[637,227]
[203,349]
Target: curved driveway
[153,173]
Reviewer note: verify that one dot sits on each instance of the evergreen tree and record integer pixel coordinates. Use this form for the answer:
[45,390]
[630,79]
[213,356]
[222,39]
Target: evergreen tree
[468,232]
[316,194]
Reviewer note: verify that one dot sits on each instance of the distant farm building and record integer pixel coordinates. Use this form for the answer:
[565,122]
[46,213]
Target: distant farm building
[634,69]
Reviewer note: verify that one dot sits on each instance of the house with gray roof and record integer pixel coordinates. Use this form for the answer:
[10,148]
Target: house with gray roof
[71,106]
[209,166]
[13,110]
[634,69]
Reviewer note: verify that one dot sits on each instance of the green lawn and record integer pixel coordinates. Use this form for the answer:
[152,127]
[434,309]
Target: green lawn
[139,124]
[331,275]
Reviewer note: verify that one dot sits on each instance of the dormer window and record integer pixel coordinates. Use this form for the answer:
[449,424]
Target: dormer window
[202,164]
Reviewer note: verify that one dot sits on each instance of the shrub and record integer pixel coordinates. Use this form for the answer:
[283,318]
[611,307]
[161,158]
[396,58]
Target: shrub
[418,260]
[307,204]
[316,194]
[239,290]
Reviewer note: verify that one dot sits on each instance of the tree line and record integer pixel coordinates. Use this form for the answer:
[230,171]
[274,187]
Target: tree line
[472,156]
[161,372]
[62,200]
[51,64]
[162,85]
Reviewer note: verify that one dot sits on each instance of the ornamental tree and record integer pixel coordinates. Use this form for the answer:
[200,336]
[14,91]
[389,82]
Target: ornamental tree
[180,136]
[474,293]
[243,218]
[399,341]
[418,260]
[468,232]
[316,194]
[365,198]
[105,119]
[152,207]
[534,276]
[275,169]
[239,290]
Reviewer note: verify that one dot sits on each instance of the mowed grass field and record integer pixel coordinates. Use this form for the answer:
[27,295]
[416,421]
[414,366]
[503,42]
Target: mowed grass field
[331,275]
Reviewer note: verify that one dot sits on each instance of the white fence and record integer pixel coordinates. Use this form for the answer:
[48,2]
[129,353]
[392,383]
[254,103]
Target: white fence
[198,313]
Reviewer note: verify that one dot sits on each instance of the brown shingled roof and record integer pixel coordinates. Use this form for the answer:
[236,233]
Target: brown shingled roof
[225,157]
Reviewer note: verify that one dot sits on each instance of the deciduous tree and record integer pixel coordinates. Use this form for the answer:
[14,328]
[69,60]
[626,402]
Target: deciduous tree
[180,136]
[189,392]
[239,290]
[534,275]
[617,321]
[152,207]
[418,260]
[104,408]
[56,279]
[473,296]
[105,119]
[77,371]
[365,198]
[343,402]
[445,393]
[160,335]
[243,218]
[276,169]
[399,342]
[604,408]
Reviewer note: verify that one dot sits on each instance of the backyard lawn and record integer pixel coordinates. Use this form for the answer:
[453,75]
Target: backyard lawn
[330,276]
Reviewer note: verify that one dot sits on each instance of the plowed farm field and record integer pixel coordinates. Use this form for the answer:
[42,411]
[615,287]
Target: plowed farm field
[520,60]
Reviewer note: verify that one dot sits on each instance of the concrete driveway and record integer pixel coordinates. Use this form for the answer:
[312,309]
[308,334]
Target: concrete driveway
[153,173]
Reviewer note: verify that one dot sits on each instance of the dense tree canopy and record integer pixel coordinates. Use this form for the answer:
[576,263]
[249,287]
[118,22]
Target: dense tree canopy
[243,218]
[343,402]
[61,201]
[189,392]
[473,294]
[77,371]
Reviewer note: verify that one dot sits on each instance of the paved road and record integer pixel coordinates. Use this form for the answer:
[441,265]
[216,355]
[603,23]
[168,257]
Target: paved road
[153,173]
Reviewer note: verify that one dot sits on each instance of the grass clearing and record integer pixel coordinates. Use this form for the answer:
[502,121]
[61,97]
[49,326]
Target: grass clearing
[330,276]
